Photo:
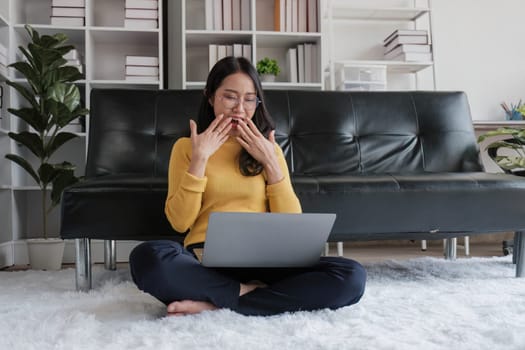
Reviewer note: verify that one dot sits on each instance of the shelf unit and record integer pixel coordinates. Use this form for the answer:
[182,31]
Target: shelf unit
[188,47]
[365,26]
[103,43]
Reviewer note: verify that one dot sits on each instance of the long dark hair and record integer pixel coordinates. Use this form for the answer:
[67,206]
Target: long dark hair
[262,119]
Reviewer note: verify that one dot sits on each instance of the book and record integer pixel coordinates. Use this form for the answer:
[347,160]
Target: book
[142,13]
[217,15]
[212,56]
[312,16]
[68,11]
[245,15]
[142,4]
[208,14]
[142,78]
[407,48]
[291,64]
[68,3]
[236,14]
[67,21]
[406,39]
[300,63]
[152,61]
[288,13]
[237,50]
[142,70]
[295,16]
[302,16]
[247,51]
[307,63]
[279,16]
[140,23]
[413,56]
[227,22]
[399,32]
[221,52]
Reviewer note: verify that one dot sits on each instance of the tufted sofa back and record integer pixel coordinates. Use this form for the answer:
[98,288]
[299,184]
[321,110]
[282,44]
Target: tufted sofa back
[321,132]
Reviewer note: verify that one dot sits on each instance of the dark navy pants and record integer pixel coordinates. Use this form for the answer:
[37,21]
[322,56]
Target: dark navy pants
[170,272]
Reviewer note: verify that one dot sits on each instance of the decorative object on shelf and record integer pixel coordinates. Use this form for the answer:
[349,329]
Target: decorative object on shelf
[268,69]
[512,159]
[54,102]
[515,112]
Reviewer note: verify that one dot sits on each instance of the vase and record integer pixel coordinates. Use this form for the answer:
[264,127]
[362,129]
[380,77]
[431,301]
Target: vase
[45,254]
[268,78]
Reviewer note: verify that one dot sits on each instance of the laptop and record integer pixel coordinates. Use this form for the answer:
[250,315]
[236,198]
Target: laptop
[265,239]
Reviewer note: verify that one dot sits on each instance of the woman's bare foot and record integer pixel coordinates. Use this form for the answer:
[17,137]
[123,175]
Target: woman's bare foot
[189,307]
[248,287]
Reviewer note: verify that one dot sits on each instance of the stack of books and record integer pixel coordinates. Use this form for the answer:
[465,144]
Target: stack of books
[217,52]
[142,68]
[74,58]
[296,16]
[408,45]
[69,13]
[3,60]
[142,14]
[227,14]
[302,63]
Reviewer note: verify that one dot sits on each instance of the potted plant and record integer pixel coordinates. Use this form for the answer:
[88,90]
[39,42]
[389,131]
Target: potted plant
[268,69]
[53,101]
[510,142]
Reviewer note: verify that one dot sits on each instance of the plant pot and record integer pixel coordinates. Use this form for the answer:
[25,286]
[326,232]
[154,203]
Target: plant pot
[268,78]
[45,254]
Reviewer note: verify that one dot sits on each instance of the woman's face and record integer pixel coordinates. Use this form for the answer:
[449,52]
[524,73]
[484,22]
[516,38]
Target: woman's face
[237,98]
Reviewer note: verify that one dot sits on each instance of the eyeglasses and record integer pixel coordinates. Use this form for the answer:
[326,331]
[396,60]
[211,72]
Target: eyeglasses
[232,101]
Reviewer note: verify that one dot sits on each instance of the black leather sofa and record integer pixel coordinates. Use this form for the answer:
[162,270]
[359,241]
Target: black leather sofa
[392,165]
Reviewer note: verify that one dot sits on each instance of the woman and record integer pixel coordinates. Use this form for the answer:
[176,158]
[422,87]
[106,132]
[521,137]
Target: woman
[232,163]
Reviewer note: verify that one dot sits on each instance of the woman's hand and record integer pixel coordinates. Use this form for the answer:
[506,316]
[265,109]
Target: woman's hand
[205,144]
[261,148]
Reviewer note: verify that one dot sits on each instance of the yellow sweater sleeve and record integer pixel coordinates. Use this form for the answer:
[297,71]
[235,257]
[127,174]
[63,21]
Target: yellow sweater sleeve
[184,189]
[281,195]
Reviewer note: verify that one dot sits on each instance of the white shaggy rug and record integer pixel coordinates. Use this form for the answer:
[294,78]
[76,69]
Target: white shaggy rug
[424,303]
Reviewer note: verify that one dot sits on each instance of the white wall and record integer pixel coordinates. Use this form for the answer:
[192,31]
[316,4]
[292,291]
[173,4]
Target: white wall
[479,48]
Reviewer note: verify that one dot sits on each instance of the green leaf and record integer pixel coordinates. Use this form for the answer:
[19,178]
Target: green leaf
[57,141]
[27,94]
[30,116]
[47,173]
[27,71]
[32,141]
[68,94]
[33,34]
[25,165]
[64,179]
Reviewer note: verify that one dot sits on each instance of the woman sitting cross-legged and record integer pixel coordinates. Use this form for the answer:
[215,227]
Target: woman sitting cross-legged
[232,163]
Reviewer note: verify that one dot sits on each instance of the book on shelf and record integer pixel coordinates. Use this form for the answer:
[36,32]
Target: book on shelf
[408,48]
[288,15]
[142,70]
[212,56]
[132,60]
[208,14]
[229,50]
[406,39]
[68,11]
[295,15]
[142,4]
[142,14]
[140,23]
[245,15]
[291,64]
[236,14]
[302,16]
[312,16]
[68,3]
[143,78]
[307,62]
[413,56]
[67,21]
[221,52]
[247,51]
[227,15]
[401,32]
[279,17]
[300,63]
[237,50]
[217,15]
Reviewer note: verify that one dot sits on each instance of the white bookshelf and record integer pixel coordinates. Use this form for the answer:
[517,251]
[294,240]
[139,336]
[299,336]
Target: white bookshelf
[365,25]
[188,50]
[103,43]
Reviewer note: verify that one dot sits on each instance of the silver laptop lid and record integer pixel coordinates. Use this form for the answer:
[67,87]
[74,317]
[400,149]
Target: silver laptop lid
[265,239]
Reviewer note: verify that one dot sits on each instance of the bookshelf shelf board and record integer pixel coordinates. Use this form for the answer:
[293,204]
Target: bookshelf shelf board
[282,39]
[122,83]
[3,131]
[121,37]
[287,85]
[380,14]
[74,34]
[494,124]
[391,66]
[27,188]
[5,187]
[121,29]
[196,38]
[24,81]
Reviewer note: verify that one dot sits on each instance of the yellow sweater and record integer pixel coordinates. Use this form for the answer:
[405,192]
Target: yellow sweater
[223,188]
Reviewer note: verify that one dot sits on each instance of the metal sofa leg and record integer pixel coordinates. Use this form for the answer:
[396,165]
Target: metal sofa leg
[519,251]
[110,254]
[451,248]
[83,264]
